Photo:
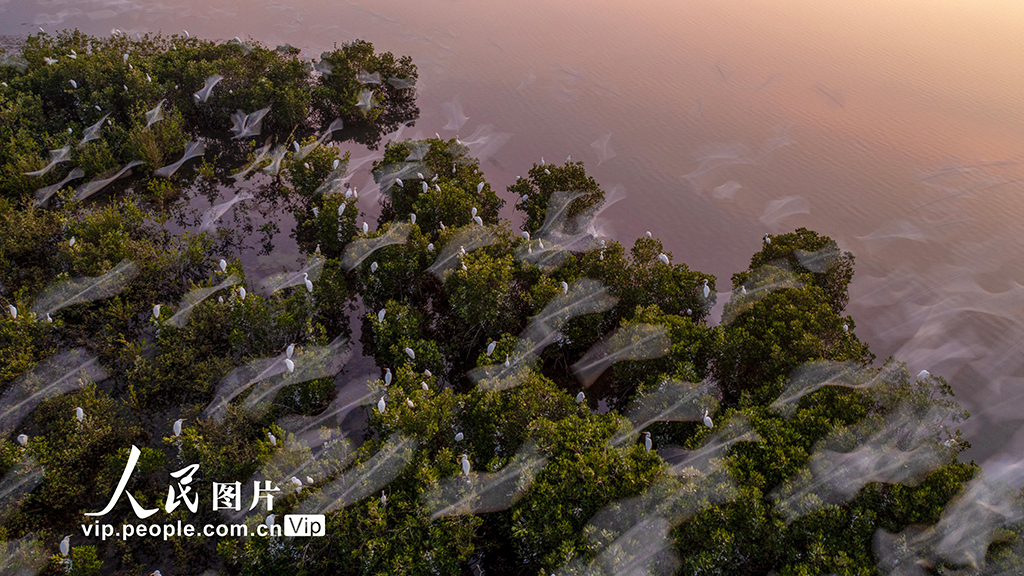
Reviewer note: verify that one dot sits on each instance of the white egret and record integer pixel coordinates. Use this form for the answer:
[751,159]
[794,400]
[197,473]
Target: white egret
[309,283]
[289,364]
[297,482]
[459,437]
[14,311]
[383,498]
[706,289]
[48,319]
[335,165]
[506,361]
[647,441]
[65,545]
[846,327]
[473,211]
[73,83]
[186,33]
[428,374]
[366,228]
[373,267]
[399,182]
[410,353]
[923,374]
[71,243]
[548,172]
[387,376]
[381,406]
[707,419]
[565,287]
[478,220]
[580,397]
[412,218]
[430,247]
[148,79]
[434,179]
[420,175]
[424,386]
[289,351]
[341,208]
[490,347]
[223,265]
[270,521]
[479,187]
[309,480]
[526,235]
[23,439]
[409,403]
[156,311]
[241,293]
[316,212]
[425,187]
[649,234]
[689,312]
[380,314]
[177,426]
[465,464]
[767,239]
[272,438]
[663,258]
[296,145]
[79,413]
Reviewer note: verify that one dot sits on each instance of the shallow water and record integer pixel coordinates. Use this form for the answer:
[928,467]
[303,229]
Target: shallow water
[894,127]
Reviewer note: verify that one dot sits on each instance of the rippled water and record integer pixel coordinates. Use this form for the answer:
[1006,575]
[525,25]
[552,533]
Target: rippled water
[894,126]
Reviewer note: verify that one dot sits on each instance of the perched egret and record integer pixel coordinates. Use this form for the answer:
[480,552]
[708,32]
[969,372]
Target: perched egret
[272,438]
[506,361]
[79,413]
[14,311]
[424,386]
[23,439]
[366,228]
[526,235]
[479,221]
[465,464]
[289,351]
[380,315]
[767,239]
[186,33]
[425,187]
[177,426]
[410,353]
[373,266]
[548,172]
[270,521]
[335,165]
[649,234]
[341,208]
[663,258]
[490,347]
[309,283]
[428,374]
[923,374]
[383,498]
[48,319]
[71,243]
[65,545]
[73,83]
[381,406]
[296,481]
[412,218]
[223,265]
[409,403]
[707,419]
[309,480]
[399,182]
[241,293]
[479,187]
[156,311]
[846,327]
[430,247]
[387,376]
[459,437]
[647,441]
[473,211]
[289,364]
[316,212]
[706,289]
[580,397]
[565,287]
[743,290]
